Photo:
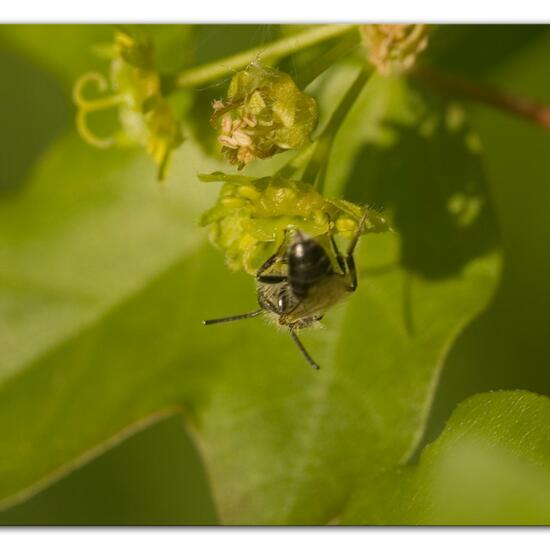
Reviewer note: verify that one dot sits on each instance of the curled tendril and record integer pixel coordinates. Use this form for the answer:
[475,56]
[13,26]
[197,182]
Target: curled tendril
[146,117]
[87,106]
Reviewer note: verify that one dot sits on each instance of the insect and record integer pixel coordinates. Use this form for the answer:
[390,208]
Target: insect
[300,282]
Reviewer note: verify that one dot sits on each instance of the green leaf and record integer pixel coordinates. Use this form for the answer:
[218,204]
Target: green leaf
[281,444]
[105,278]
[490,466]
[90,233]
[155,477]
[506,347]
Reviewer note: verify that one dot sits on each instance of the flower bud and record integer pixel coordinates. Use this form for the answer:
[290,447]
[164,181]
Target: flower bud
[251,215]
[145,116]
[394,48]
[265,113]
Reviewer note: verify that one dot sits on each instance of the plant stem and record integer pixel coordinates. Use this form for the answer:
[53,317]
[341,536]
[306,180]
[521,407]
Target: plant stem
[536,112]
[203,74]
[341,49]
[316,167]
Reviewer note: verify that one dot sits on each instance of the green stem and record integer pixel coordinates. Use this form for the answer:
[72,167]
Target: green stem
[312,70]
[316,167]
[203,74]
[347,102]
[536,112]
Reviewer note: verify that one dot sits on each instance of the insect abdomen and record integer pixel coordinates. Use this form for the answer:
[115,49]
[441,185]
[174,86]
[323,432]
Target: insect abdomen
[307,263]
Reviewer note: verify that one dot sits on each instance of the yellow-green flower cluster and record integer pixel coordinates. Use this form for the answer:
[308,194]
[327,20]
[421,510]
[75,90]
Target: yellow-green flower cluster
[251,215]
[265,113]
[145,116]
[394,48]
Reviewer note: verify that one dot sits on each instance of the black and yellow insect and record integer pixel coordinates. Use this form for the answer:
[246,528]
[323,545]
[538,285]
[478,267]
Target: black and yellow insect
[300,282]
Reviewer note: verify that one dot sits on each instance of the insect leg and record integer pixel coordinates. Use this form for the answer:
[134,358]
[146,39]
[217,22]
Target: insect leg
[233,318]
[351,271]
[267,304]
[267,264]
[303,350]
[271,279]
[357,233]
[339,257]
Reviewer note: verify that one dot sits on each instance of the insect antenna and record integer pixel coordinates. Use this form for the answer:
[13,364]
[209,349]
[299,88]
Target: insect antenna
[303,350]
[233,318]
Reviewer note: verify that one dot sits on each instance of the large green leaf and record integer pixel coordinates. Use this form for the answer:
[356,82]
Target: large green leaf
[506,347]
[154,477]
[105,278]
[282,445]
[285,445]
[92,232]
[490,466]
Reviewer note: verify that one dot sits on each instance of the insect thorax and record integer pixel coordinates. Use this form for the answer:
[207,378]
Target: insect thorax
[311,287]
[308,265]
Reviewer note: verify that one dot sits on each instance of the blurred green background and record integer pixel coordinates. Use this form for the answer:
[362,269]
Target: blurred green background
[156,476]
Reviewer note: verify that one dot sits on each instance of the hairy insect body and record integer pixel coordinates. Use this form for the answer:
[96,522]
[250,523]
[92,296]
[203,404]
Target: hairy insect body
[300,284]
[308,264]
[302,280]
[320,298]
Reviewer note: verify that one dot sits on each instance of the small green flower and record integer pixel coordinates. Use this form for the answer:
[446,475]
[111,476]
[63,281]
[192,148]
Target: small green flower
[145,116]
[265,113]
[394,48]
[251,215]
